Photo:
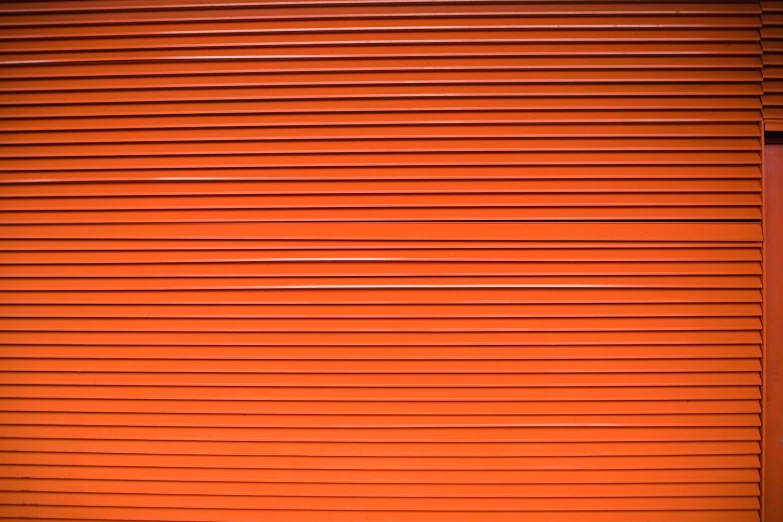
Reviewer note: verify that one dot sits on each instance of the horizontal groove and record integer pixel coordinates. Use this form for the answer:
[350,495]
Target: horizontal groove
[482,84]
[465,125]
[402,407]
[383,268]
[307,112]
[231,46]
[386,491]
[32,128]
[614,255]
[387,449]
[479,56]
[434,142]
[459,174]
[722,107]
[386,187]
[535,15]
[395,145]
[153,365]
[388,353]
[342,283]
[394,463]
[600,41]
[453,214]
[427,337]
[421,434]
[362,504]
[379,311]
[39,8]
[392,477]
[347,276]
[723,68]
[385,153]
[380,199]
[440,214]
[595,54]
[377,422]
[413,159]
[339,16]
[413,215]
[80,514]
[672,28]
[371,325]
[486,75]
[541,393]
[401,159]
[376,295]
[400,380]
[379,94]
[177,244]
[479,232]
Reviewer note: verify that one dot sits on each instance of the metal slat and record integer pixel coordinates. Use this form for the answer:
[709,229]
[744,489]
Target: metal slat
[357,312]
[456,449]
[661,28]
[606,7]
[386,463]
[632,476]
[364,174]
[262,421]
[121,514]
[383,367]
[251,91]
[539,14]
[370,380]
[478,233]
[388,187]
[16,70]
[371,325]
[465,123]
[386,214]
[396,353]
[178,244]
[382,295]
[398,491]
[358,268]
[384,408]
[728,108]
[361,504]
[613,255]
[544,393]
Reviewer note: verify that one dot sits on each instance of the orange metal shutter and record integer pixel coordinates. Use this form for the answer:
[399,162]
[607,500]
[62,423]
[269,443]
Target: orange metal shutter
[380,261]
[772,43]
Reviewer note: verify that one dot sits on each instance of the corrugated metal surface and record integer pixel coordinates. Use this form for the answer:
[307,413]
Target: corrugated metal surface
[380,261]
[772,43]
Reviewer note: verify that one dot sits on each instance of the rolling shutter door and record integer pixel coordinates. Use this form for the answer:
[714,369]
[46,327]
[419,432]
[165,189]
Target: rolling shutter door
[380,261]
[772,43]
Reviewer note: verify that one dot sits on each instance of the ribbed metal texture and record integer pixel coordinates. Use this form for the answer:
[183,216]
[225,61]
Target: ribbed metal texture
[380,261]
[772,43]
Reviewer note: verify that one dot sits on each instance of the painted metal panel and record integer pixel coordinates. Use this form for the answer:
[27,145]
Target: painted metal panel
[381,261]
